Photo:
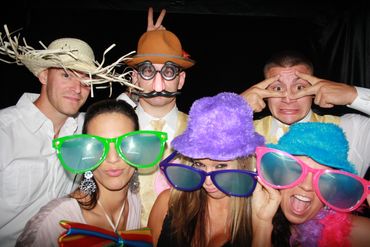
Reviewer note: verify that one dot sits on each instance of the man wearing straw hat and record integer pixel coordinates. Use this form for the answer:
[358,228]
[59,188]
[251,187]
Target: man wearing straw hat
[159,69]
[30,173]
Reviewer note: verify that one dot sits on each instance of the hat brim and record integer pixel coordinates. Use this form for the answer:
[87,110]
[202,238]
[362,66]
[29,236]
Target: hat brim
[36,65]
[161,59]
[317,155]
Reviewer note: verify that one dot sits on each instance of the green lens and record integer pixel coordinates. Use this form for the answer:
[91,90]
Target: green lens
[81,154]
[142,149]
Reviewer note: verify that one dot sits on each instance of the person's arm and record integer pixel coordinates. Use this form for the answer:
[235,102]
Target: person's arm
[157,215]
[256,94]
[360,236]
[362,101]
[329,93]
[265,203]
[158,24]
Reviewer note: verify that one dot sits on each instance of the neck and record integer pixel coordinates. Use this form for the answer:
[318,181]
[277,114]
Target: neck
[112,200]
[113,219]
[51,113]
[157,111]
[219,204]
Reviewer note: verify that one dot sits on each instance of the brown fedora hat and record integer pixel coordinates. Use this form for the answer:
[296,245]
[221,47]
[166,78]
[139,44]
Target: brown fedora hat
[160,46]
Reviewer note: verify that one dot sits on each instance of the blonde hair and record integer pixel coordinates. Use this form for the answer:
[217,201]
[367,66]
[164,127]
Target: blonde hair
[189,213]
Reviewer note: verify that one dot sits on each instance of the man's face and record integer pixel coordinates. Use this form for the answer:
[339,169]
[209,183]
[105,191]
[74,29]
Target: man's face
[285,109]
[158,84]
[63,91]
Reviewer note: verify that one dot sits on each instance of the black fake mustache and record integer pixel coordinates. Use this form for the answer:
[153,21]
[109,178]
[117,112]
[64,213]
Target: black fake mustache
[152,94]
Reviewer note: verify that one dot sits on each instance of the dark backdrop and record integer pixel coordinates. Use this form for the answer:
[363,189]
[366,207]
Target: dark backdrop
[230,40]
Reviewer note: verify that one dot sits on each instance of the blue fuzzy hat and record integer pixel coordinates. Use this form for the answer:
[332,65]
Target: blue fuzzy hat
[325,143]
[219,128]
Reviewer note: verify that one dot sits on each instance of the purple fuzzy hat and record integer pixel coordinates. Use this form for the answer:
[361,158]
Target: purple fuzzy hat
[219,128]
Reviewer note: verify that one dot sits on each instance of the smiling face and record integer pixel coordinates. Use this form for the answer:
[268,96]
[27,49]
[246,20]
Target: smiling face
[62,91]
[300,203]
[114,173]
[285,109]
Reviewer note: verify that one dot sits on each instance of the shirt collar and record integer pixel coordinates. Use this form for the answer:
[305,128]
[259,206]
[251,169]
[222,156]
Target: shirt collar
[145,118]
[34,119]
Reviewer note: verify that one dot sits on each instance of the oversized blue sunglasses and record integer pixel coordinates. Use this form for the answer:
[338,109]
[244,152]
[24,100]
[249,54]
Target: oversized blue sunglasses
[232,182]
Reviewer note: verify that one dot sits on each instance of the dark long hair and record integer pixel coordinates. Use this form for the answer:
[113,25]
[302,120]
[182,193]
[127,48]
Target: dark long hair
[281,231]
[94,110]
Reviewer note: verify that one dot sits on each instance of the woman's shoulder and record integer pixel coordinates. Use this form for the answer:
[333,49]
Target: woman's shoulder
[46,221]
[63,207]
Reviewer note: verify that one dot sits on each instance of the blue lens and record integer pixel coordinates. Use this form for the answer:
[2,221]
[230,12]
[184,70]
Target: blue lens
[142,149]
[279,169]
[183,178]
[340,190]
[234,183]
[82,153]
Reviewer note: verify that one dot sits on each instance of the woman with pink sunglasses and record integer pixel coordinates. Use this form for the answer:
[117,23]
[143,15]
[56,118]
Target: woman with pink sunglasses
[318,188]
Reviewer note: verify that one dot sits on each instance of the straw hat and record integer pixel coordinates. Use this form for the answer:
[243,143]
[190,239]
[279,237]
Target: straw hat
[219,128]
[160,46]
[67,53]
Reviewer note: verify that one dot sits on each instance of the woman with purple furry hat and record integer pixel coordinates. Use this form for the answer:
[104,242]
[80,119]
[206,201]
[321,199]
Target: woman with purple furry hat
[212,177]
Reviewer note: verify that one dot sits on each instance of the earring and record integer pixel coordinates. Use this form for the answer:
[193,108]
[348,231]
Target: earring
[134,183]
[88,185]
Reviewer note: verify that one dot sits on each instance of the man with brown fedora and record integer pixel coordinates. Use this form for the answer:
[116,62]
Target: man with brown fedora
[30,172]
[159,69]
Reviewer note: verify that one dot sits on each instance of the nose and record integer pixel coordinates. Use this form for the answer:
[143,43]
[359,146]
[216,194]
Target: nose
[208,181]
[287,98]
[112,156]
[158,82]
[307,182]
[76,85]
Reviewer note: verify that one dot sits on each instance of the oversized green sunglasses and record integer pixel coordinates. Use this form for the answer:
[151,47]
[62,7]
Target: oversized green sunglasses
[81,153]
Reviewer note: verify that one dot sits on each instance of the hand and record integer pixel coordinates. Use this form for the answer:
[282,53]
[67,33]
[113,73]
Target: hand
[265,203]
[327,93]
[256,94]
[158,24]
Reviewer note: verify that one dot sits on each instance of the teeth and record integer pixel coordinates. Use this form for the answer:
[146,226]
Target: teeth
[302,198]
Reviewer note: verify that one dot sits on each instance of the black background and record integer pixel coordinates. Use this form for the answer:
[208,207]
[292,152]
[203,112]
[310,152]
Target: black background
[229,40]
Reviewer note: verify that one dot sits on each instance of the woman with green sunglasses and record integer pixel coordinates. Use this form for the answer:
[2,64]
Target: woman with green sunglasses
[108,154]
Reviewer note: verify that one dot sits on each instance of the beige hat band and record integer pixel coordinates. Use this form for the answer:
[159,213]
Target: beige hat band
[160,55]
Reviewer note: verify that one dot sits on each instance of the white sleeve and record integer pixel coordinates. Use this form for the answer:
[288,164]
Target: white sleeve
[362,101]
[357,130]
[125,97]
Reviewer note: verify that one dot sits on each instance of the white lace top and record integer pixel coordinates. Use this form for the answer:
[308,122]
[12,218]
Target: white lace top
[44,229]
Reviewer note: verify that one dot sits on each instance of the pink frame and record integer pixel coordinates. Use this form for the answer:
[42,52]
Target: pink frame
[260,151]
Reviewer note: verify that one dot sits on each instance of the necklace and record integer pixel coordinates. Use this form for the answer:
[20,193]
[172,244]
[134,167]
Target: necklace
[114,227]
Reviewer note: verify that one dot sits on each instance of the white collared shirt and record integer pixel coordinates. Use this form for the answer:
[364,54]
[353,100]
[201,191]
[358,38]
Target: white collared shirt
[362,101]
[170,118]
[30,173]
